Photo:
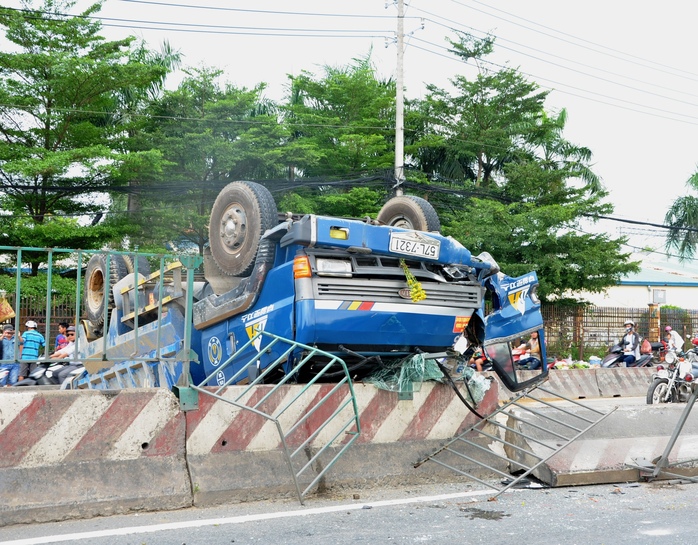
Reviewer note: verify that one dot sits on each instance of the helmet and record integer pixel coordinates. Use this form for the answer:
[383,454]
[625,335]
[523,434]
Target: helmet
[667,328]
[31,323]
[629,322]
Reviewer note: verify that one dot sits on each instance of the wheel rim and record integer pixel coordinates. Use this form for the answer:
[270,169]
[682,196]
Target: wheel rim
[233,228]
[660,392]
[95,292]
[401,222]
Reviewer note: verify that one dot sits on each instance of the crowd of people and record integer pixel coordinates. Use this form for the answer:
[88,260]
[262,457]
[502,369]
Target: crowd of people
[23,352]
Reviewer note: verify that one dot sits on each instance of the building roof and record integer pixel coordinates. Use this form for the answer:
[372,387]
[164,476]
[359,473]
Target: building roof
[663,274]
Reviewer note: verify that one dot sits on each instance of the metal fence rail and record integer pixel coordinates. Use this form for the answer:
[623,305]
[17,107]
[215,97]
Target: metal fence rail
[49,309]
[301,437]
[517,434]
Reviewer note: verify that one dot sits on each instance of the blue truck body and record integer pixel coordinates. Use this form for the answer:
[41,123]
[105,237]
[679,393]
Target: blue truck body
[338,284]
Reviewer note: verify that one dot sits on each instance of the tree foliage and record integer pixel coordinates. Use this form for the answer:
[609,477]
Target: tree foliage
[682,217]
[355,203]
[347,115]
[523,191]
[60,142]
[209,133]
[80,116]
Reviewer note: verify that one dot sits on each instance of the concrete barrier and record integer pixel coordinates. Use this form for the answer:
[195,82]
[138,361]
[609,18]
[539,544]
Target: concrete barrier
[79,454]
[592,383]
[86,453]
[630,436]
[227,465]
[629,382]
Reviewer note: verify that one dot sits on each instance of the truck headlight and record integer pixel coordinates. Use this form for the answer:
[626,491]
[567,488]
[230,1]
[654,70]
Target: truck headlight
[333,267]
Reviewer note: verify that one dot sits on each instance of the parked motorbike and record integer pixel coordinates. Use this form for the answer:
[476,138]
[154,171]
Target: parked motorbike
[612,359]
[673,380]
[46,374]
[659,350]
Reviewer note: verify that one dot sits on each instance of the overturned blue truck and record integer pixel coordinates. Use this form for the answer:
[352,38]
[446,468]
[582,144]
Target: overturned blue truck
[303,298]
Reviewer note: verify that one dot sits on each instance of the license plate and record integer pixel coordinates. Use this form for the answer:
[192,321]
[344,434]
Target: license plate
[415,244]
[662,373]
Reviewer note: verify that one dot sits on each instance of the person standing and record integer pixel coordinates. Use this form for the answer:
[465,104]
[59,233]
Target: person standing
[674,340]
[8,353]
[32,342]
[631,345]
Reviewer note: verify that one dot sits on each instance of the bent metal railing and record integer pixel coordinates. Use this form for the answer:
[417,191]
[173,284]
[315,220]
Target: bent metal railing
[661,467]
[518,434]
[309,438]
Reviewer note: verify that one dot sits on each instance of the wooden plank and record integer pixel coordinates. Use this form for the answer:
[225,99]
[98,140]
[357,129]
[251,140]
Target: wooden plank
[152,276]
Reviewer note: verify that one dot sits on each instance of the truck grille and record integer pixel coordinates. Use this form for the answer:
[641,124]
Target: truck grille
[369,289]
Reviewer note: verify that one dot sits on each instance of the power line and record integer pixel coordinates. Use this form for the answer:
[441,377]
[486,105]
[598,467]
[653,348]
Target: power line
[304,33]
[268,12]
[173,26]
[601,51]
[682,117]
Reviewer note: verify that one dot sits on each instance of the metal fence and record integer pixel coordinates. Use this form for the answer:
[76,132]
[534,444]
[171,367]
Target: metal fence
[51,308]
[580,331]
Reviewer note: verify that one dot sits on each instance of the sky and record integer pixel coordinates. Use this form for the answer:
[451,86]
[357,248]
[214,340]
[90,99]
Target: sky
[624,71]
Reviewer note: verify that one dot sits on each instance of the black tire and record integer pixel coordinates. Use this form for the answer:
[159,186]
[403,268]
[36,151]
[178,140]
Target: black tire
[98,288]
[243,211]
[657,391]
[143,265]
[410,212]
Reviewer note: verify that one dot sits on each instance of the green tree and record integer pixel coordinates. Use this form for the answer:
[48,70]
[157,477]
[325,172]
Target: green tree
[682,217]
[524,192]
[61,145]
[536,223]
[355,203]
[481,126]
[210,133]
[346,117]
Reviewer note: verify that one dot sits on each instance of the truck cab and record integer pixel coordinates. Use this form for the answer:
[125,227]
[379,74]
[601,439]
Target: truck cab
[370,293]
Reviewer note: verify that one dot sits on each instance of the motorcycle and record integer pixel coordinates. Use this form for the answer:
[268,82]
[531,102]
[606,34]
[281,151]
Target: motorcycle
[612,359]
[659,350]
[46,374]
[673,382]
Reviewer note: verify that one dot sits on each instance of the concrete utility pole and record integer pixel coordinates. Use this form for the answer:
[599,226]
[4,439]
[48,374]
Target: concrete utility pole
[400,101]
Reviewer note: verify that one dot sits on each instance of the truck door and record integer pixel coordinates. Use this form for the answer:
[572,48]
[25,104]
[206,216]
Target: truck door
[518,357]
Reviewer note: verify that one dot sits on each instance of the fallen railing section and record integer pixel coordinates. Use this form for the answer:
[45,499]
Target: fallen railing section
[507,434]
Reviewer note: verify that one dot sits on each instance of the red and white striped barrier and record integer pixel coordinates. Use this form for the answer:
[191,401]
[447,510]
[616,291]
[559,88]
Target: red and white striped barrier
[67,454]
[235,455]
[435,412]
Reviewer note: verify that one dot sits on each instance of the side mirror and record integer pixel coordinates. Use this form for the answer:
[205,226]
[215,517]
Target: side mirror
[517,371]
